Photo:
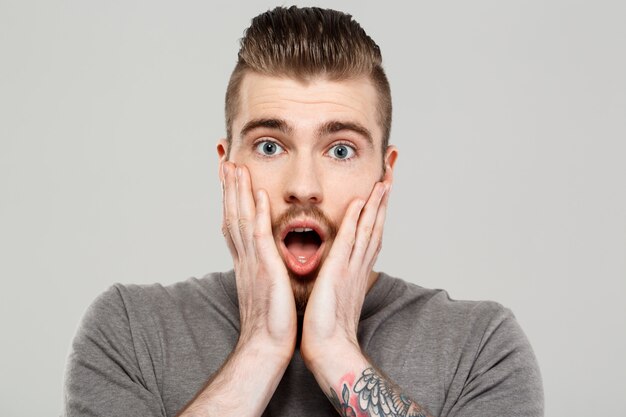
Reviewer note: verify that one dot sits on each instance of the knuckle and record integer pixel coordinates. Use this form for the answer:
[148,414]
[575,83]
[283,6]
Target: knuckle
[228,223]
[258,234]
[243,225]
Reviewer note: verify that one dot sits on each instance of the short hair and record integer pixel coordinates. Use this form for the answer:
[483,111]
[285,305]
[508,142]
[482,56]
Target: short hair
[304,43]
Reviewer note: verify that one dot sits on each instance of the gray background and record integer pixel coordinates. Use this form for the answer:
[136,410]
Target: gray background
[511,121]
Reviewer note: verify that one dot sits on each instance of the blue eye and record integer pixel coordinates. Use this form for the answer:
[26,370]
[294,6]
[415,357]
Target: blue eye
[269,148]
[341,151]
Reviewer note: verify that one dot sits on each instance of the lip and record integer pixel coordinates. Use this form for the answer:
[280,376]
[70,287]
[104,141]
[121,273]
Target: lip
[313,262]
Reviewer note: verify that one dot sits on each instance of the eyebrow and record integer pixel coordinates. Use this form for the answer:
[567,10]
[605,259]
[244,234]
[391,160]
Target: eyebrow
[327,128]
[337,126]
[274,124]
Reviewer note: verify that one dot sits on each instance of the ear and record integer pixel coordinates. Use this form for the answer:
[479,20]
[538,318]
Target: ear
[222,155]
[390,161]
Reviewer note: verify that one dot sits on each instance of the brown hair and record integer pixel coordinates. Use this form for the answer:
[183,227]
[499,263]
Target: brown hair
[304,43]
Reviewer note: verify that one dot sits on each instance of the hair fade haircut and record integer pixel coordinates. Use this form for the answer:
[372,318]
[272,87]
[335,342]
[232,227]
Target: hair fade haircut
[304,43]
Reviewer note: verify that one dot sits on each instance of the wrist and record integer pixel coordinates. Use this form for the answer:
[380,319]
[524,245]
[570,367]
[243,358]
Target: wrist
[252,372]
[333,361]
[264,351]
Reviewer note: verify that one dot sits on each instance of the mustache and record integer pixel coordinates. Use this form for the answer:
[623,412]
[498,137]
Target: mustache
[313,212]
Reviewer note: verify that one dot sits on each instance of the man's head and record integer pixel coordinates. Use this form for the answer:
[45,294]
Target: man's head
[309,43]
[308,112]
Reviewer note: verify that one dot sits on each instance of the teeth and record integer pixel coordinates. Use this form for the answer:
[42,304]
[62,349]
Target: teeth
[302,259]
[301,229]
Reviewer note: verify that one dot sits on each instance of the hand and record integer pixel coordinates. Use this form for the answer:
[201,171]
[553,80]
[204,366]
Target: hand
[334,307]
[266,303]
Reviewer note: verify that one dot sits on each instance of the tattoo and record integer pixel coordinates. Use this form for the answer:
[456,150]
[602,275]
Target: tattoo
[343,405]
[376,397]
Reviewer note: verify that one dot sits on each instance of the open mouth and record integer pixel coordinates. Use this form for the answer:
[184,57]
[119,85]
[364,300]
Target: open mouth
[302,246]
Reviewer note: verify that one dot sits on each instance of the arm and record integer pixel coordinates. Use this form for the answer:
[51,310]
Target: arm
[104,374]
[356,388]
[107,377]
[329,343]
[248,379]
[498,375]
[502,379]
[243,386]
[503,376]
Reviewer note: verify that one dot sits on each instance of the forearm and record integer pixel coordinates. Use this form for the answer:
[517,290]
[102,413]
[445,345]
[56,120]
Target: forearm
[243,386]
[356,388]
[246,382]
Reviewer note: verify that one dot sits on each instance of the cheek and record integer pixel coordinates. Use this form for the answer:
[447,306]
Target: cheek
[340,193]
[262,178]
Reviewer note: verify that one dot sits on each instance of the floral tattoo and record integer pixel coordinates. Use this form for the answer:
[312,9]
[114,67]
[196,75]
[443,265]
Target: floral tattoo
[343,405]
[375,396]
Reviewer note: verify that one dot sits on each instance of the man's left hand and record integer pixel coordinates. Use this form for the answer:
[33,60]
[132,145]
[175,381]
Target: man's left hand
[334,307]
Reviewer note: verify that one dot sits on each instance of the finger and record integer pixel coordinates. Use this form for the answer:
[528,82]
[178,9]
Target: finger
[245,207]
[376,241]
[344,241]
[231,222]
[263,237]
[366,223]
[229,241]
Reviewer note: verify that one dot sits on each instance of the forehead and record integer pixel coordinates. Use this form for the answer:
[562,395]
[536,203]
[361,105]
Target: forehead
[307,104]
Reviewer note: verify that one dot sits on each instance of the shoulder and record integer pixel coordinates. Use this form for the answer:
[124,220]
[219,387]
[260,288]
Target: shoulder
[129,336]
[124,310]
[430,318]
[435,307]
[477,347]
[464,324]
[157,298]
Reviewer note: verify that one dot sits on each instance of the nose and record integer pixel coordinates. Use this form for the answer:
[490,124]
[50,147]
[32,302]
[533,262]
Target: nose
[303,184]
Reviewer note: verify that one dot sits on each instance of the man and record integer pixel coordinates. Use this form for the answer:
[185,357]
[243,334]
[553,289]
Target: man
[303,324]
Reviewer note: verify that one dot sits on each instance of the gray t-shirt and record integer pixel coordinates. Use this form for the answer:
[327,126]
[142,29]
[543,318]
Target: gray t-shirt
[147,350]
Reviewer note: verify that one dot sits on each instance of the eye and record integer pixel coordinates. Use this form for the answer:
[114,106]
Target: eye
[268,148]
[341,151]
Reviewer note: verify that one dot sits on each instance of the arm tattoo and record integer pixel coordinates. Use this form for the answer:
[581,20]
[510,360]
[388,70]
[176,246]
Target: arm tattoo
[376,397]
[343,405]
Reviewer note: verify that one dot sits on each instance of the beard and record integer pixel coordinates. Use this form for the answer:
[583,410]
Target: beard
[302,288]
[302,285]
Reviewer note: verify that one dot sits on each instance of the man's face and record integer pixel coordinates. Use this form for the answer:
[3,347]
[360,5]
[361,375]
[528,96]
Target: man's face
[314,147]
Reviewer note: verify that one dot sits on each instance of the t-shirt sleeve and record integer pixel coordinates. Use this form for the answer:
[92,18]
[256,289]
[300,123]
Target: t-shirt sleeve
[103,376]
[504,379]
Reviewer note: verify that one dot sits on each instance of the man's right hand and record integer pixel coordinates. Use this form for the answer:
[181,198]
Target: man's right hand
[266,303]
[267,336]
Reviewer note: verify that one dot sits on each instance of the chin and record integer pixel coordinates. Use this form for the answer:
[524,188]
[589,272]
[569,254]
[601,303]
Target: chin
[302,286]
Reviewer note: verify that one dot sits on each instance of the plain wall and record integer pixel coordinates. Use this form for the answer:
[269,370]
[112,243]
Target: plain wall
[510,117]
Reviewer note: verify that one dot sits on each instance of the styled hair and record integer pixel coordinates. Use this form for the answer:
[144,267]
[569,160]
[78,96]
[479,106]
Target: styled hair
[309,42]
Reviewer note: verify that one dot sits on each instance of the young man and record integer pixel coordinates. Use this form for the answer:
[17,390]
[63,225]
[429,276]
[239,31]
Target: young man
[306,171]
